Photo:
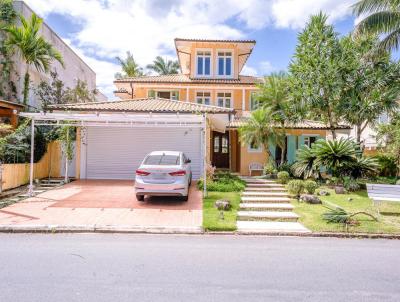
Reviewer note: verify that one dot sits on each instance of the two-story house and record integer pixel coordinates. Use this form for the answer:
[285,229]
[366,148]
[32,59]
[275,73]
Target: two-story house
[211,75]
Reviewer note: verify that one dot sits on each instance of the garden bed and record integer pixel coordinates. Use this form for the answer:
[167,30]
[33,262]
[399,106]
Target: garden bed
[311,215]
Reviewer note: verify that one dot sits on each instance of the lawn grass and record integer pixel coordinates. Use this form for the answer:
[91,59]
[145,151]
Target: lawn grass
[211,215]
[311,215]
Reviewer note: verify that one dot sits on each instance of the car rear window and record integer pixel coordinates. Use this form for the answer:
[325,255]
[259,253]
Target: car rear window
[162,160]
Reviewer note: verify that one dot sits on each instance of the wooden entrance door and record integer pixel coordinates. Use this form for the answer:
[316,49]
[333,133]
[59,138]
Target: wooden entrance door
[220,147]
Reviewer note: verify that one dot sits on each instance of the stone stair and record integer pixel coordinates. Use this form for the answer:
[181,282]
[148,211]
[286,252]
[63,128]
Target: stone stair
[265,208]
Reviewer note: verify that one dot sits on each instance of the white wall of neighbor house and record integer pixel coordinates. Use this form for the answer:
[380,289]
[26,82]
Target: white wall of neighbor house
[75,67]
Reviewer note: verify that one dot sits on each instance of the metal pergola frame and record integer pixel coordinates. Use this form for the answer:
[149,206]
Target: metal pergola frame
[117,120]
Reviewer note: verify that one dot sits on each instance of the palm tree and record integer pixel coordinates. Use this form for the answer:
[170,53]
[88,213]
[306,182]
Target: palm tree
[32,47]
[164,66]
[273,96]
[260,130]
[129,67]
[383,18]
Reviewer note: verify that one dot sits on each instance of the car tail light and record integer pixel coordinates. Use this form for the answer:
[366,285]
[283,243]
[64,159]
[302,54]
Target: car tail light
[142,173]
[178,173]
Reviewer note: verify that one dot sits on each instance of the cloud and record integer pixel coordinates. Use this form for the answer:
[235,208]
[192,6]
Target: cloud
[266,67]
[247,70]
[109,28]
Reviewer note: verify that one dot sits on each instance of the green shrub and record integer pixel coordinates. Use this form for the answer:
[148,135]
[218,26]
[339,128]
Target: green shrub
[350,184]
[310,186]
[283,177]
[387,165]
[270,168]
[398,182]
[333,181]
[295,187]
[223,182]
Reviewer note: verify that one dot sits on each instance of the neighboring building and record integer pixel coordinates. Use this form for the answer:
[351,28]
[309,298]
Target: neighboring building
[75,67]
[211,76]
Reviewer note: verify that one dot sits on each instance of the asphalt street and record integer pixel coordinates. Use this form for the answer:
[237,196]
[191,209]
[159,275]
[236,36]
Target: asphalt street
[127,267]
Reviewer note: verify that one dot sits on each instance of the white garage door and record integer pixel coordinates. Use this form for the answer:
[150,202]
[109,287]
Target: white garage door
[115,153]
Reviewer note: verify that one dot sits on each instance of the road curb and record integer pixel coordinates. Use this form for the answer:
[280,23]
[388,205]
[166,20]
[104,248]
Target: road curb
[176,230]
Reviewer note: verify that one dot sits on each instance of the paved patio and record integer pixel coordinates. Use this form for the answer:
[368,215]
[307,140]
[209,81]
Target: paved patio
[105,203]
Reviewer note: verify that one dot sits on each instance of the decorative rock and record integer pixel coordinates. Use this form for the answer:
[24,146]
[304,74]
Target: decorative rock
[222,204]
[323,193]
[312,199]
[340,190]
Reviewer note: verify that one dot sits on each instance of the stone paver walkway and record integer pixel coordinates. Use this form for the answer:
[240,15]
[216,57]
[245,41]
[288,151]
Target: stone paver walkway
[265,208]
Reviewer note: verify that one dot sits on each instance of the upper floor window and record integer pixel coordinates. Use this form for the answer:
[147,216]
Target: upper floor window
[203,63]
[224,99]
[254,102]
[224,60]
[203,98]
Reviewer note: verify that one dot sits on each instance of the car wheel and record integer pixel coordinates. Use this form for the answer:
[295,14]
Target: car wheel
[185,198]
[140,197]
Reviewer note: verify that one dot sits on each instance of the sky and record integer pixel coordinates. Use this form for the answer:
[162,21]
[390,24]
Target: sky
[100,30]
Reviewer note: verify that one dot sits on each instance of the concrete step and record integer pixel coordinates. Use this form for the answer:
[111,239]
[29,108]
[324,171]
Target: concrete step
[270,227]
[265,194]
[265,199]
[269,189]
[258,181]
[269,185]
[267,215]
[266,206]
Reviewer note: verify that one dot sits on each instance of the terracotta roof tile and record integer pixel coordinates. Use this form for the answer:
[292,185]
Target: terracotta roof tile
[216,40]
[183,78]
[307,124]
[155,105]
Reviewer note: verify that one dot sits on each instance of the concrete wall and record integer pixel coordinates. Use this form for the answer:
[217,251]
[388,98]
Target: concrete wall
[75,67]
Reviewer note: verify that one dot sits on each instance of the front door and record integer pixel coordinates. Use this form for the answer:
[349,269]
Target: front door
[220,145]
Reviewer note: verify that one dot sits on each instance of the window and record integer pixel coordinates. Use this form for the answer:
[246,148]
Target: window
[162,159]
[216,144]
[171,95]
[224,60]
[224,145]
[203,63]
[254,102]
[309,140]
[203,98]
[254,148]
[224,99]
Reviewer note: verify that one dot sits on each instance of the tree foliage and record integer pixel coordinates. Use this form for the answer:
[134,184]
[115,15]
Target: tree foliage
[129,67]
[31,47]
[317,72]
[389,137]
[260,130]
[382,18]
[372,84]
[164,66]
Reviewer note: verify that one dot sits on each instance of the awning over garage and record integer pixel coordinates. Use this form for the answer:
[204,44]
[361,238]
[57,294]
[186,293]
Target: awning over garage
[117,135]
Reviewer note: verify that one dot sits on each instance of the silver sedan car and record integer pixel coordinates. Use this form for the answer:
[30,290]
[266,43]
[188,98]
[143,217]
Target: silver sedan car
[164,173]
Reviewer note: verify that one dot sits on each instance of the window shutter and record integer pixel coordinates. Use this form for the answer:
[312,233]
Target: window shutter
[177,95]
[301,141]
[272,149]
[151,94]
[291,148]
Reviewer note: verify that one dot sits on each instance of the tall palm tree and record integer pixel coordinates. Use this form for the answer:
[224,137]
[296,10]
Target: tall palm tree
[31,47]
[129,67]
[273,96]
[164,66]
[260,130]
[383,19]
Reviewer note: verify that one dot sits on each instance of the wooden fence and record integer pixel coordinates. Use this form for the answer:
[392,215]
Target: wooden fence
[15,175]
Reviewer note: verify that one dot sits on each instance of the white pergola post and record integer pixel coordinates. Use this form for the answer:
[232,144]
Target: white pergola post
[30,187]
[205,155]
[66,179]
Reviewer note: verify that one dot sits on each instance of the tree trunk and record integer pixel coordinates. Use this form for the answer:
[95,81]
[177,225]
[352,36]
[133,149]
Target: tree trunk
[283,152]
[358,134]
[333,130]
[26,86]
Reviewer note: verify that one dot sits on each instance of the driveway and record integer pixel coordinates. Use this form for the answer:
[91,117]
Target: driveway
[105,203]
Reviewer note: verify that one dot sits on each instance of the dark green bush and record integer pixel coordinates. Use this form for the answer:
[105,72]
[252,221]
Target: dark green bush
[223,182]
[387,165]
[310,186]
[283,177]
[350,184]
[295,187]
